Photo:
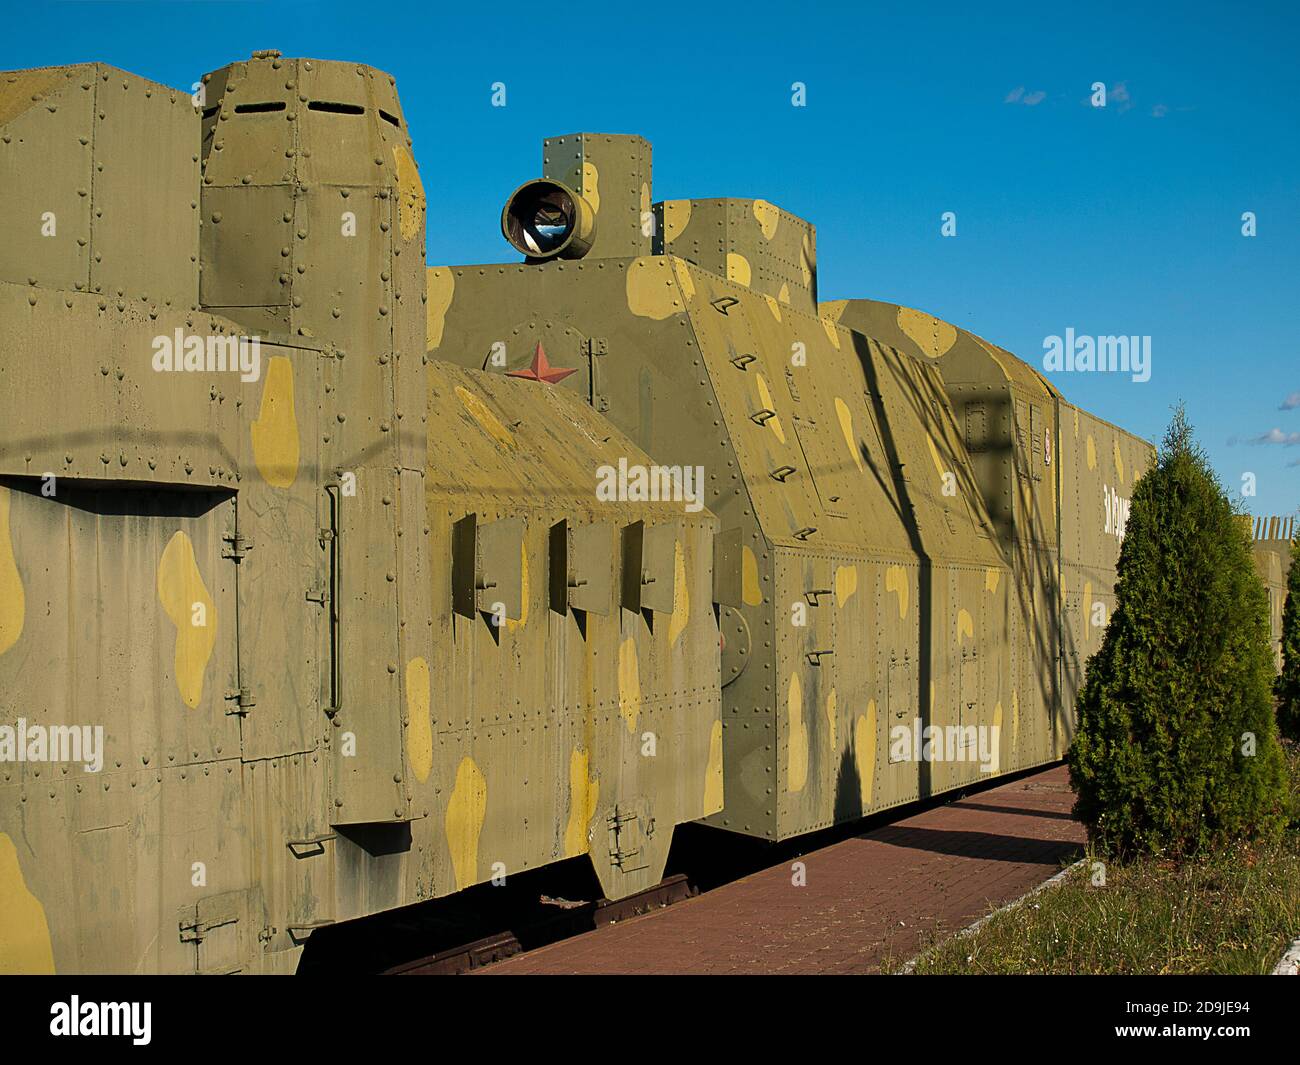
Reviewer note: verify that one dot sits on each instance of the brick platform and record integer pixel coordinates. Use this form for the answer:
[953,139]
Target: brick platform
[869,901]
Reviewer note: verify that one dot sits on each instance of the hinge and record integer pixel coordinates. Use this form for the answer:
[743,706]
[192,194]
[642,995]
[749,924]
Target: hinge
[723,303]
[743,360]
[813,594]
[782,472]
[318,595]
[192,931]
[618,856]
[794,390]
[815,657]
[239,546]
[596,346]
[242,698]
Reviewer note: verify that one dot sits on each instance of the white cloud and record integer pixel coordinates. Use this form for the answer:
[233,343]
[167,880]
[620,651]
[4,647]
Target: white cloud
[1291,402]
[1160,110]
[1276,436]
[1029,99]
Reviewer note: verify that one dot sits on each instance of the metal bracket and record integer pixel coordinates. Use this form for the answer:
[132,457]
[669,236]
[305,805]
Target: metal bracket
[309,848]
[815,657]
[805,532]
[299,931]
[318,595]
[813,595]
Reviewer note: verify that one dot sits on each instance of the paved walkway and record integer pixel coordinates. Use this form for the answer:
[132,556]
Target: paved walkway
[869,901]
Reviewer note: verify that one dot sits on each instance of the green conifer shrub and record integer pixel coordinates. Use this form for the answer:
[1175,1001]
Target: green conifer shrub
[1288,683]
[1176,750]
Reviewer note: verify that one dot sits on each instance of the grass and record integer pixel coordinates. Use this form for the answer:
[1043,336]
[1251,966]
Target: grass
[1233,912]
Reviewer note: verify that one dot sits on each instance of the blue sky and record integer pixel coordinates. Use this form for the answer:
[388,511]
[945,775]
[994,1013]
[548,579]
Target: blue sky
[1123,220]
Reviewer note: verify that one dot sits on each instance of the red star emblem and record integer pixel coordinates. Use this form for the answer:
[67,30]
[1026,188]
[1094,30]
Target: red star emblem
[541,370]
